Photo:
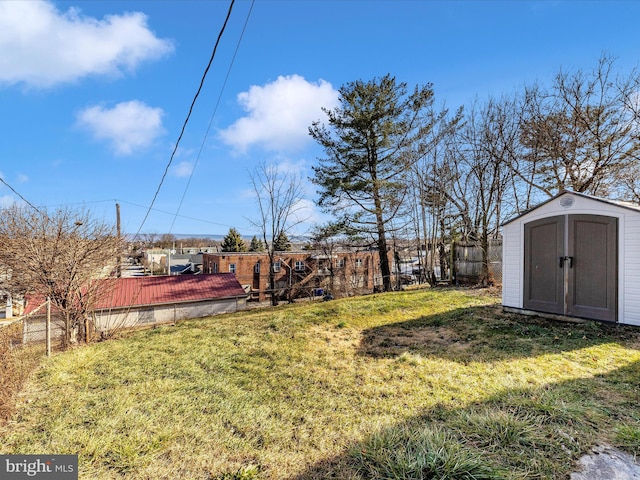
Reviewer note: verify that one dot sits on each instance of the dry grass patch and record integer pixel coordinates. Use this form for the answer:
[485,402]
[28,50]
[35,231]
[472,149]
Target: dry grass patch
[16,363]
[330,390]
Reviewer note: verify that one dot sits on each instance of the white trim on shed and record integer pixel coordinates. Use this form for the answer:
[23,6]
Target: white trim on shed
[572,203]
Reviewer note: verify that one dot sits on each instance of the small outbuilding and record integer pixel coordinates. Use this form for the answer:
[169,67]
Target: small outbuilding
[574,255]
[145,301]
[138,301]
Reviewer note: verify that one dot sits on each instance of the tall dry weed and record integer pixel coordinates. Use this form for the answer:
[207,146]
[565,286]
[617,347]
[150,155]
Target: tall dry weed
[15,366]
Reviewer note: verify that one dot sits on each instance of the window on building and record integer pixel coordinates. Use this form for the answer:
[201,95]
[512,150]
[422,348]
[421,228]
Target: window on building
[299,265]
[276,266]
[340,262]
[256,268]
[215,267]
[358,262]
[232,268]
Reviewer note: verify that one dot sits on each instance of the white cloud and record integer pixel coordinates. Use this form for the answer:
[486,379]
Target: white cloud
[279,114]
[307,213]
[41,46]
[127,127]
[182,169]
[286,165]
[22,178]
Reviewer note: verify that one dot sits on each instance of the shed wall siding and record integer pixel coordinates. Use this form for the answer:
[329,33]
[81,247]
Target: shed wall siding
[511,266]
[34,327]
[628,252]
[630,264]
[117,319]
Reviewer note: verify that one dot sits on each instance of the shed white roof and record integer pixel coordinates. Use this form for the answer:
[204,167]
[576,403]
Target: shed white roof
[617,203]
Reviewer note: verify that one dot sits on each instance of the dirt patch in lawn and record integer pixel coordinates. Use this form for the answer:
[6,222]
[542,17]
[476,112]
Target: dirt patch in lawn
[391,341]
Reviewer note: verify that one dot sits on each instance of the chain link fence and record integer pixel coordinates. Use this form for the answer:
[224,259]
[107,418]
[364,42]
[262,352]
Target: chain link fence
[19,355]
[32,329]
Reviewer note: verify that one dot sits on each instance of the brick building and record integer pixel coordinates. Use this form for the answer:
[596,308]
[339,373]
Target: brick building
[300,274]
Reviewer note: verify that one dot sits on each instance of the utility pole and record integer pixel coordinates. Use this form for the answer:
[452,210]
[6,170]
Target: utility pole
[171,248]
[118,259]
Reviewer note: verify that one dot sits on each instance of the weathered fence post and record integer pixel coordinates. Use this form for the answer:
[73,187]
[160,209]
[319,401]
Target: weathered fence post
[452,264]
[48,334]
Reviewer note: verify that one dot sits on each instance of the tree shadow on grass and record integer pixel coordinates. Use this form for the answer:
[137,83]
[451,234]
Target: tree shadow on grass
[487,334]
[518,434]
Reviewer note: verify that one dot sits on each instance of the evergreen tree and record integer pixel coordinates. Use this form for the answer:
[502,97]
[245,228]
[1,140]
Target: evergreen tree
[256,245]
[282,243]
[233,242]
[370,141]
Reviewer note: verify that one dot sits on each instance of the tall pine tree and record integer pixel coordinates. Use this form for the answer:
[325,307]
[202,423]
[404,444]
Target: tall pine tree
[370,142]
[282,243]
[256,245]
[233,242]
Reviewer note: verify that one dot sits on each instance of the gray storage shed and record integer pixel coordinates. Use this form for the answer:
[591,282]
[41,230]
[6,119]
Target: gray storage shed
[574,255]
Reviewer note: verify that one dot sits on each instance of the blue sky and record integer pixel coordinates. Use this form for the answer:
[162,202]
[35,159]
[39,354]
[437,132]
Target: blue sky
[93,94]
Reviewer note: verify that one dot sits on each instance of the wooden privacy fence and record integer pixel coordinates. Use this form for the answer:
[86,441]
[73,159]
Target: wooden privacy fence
[467,257]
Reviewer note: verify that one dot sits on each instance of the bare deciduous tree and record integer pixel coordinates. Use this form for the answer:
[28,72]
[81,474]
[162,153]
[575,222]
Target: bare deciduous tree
[278,195]
[582,134]
[431,180]
[328,240]
[60,255]
[486,152]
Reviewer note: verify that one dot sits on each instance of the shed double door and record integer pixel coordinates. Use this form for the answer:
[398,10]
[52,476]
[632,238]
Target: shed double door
[570,266]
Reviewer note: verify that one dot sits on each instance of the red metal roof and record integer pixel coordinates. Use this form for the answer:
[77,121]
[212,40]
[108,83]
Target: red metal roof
[135,291]
[139,291]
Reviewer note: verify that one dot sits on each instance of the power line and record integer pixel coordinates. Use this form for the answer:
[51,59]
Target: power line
[21,197]
[80,203]
[118,200]
[184,125]
[213,114]
[181,216]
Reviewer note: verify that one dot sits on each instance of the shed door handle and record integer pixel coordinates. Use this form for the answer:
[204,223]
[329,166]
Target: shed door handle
[564,259]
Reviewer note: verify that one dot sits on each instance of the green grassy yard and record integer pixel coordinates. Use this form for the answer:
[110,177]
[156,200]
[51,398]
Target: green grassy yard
[433,383]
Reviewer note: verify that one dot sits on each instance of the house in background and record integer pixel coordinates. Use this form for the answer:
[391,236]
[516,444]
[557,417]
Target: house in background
[574,255]
[185,263]
[157,260]
[300,274]
[143,301]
